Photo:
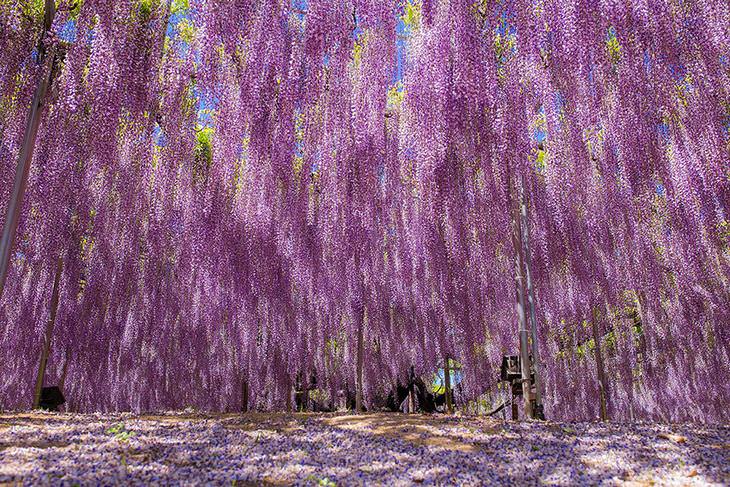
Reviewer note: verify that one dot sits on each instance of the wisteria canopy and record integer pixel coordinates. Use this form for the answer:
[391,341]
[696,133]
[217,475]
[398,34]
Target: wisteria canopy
[236,188]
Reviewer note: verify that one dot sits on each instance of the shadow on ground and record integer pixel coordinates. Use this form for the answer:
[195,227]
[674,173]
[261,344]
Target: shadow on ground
[372,449]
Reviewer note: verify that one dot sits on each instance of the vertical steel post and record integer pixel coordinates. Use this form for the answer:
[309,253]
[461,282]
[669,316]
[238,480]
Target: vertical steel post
[602,385]
[447,386]
[411,404]
[531,301]
[244,396]
[520,304]
[46,350]
[358,379]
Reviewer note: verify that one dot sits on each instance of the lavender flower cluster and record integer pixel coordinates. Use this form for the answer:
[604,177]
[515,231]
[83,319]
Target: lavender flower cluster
[245,191]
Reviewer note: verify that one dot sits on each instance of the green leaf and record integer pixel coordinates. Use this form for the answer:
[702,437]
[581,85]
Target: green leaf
[180,6]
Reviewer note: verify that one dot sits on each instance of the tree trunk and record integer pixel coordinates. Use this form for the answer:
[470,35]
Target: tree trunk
[602,383]
[15,205]
[45,352]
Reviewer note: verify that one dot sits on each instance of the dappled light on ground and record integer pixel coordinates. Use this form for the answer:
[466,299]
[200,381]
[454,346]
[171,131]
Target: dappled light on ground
[372,449]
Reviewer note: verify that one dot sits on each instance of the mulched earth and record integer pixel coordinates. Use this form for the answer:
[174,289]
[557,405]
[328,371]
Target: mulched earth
[370,449]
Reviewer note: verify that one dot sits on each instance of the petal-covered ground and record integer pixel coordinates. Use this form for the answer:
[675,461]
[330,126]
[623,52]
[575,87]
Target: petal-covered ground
[372,449]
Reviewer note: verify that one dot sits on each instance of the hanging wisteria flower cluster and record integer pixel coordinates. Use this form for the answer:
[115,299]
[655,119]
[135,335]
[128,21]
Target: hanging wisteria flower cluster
[238,190]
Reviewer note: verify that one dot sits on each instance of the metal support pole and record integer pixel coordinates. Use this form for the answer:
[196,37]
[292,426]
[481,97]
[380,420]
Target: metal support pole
[411,404]
[602,384]
[520,305]
[358,379]
[244,396]
[538,412]
[15,204]
[447,387]
[45,352]
[62,382]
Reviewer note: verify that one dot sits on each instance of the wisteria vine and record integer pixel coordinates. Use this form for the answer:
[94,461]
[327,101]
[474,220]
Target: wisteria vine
[237,189]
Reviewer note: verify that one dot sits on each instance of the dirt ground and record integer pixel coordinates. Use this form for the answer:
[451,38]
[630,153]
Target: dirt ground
[337,449]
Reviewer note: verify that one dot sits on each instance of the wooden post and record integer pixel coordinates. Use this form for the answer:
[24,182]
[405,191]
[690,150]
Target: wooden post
[520,305]
[531,300]
[447,387]
[45,352]
[602,384]
[358,383]
[15,205]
